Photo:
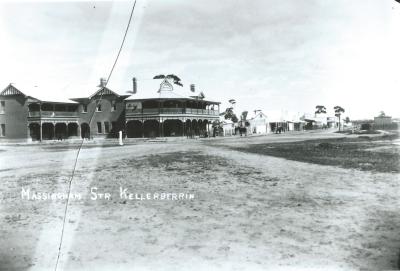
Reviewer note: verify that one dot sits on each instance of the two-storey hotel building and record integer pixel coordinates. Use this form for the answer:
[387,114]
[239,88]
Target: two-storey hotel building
[160,111]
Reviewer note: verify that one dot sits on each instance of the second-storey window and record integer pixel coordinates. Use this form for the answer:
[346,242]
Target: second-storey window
[113,106]
[84,108]
[98,108]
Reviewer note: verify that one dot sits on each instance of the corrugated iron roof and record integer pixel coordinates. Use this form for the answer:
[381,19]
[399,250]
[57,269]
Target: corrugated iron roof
[146,89]
[159,89]
[41,93]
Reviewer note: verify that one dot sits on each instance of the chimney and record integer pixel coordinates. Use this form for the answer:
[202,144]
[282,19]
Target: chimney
[103,82]
[134,85]
[192,87]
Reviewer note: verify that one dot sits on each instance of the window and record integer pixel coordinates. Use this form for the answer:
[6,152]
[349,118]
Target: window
[98,108]
[99,128]
[2,106]
[113,126]
[84,108]
[2,130]
[113,106]
[106,127]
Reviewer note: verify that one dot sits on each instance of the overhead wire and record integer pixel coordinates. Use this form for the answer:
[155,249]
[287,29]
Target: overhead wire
[81,144]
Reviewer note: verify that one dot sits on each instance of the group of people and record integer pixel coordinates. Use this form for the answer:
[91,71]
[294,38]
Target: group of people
[279,130]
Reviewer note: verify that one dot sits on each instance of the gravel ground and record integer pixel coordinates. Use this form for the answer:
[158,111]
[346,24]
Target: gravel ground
[249,211]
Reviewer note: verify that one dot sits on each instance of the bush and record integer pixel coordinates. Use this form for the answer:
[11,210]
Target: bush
[366,126]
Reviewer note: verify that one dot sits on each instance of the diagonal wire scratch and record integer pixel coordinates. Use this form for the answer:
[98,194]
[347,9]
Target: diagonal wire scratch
[80,146]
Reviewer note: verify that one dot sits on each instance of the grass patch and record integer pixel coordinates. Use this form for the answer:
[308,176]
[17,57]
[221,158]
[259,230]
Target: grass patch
[359,132]
[343,152]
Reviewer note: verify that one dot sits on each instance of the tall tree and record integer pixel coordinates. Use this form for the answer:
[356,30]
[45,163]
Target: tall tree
[232,101]
[176,80]
[230,115]
[319,109]
[338,112]
[244,115]
[229,112]
[234,118]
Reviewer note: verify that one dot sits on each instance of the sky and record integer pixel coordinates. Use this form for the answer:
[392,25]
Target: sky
[278,56]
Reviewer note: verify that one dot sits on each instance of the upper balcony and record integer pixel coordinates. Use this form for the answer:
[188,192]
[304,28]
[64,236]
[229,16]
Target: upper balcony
[52,114]
[171,111]
[52,111]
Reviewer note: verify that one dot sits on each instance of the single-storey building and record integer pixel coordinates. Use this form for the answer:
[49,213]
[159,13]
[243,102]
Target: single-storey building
[259,124]
[228,127]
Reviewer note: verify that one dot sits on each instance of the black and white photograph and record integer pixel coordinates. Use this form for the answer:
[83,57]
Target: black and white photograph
[199,135]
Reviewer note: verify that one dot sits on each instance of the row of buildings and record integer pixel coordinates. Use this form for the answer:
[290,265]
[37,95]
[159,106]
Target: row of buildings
[262,123]
[160,110]
[152,109]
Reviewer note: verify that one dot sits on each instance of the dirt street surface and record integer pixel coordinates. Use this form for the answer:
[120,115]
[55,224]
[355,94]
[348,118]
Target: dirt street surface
[210,204]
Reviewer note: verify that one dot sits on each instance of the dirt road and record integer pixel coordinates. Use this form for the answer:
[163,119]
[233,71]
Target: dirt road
[249,211]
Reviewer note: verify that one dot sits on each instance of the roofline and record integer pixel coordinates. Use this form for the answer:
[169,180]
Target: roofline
[101,89]
[32,97]
[78,99]
[11,85]
[183,98]
[48,101]
[123,96]
[88,99]
[53,102]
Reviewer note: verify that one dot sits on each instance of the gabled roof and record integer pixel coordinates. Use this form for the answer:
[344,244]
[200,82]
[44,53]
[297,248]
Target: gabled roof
[104,91]
[11,90]
[258,116]
[35,93]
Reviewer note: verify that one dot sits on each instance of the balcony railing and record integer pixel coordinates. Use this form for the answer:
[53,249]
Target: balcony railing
[201,111]
[192,111]
[147,111]
[51,114]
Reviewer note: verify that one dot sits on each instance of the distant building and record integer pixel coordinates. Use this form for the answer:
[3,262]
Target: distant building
[332,122]
[262,124]
[318,121]
[382,120]
[228,127]
[259,124]
[362,124]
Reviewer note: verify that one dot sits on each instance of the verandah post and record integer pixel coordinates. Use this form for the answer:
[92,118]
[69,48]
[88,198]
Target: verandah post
[41,131]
